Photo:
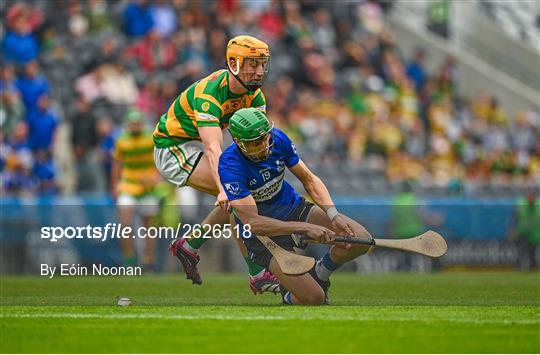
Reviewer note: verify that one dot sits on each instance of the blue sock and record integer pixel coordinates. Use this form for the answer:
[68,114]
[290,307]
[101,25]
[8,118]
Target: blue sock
[329,263]
[325,267]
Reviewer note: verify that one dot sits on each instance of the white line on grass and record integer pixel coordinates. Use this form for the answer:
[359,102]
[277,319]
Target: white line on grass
[268,317]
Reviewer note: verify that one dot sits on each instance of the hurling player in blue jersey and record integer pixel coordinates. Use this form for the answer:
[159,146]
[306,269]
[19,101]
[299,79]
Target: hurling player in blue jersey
[252,173]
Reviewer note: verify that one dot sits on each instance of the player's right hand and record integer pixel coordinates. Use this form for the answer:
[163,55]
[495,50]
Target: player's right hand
[319,233]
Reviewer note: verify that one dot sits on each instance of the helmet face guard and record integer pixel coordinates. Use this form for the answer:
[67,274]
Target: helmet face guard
[259,148]
[248,66]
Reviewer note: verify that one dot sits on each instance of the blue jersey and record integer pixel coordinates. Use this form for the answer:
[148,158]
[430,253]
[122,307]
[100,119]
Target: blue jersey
[264,180]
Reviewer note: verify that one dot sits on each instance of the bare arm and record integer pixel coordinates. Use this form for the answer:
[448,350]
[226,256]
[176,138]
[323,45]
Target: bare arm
[246,210]
[320,195]
[313,185]
[212,138]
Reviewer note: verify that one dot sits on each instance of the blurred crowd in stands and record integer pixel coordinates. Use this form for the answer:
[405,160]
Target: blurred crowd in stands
[338,84]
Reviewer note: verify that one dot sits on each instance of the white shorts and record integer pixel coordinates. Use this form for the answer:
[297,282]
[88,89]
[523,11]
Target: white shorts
[176,163]
[146,206]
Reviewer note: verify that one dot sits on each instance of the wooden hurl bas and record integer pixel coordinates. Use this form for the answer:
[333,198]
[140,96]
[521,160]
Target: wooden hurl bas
[289,262]
[429,243]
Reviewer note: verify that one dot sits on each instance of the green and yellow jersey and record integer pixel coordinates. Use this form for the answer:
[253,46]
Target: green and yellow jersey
[136,156]
[207,102]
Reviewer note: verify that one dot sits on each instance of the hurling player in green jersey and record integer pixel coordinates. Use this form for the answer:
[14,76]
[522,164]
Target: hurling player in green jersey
[188,140]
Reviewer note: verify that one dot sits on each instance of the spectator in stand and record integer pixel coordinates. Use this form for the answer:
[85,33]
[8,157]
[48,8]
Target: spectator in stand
[17,160]
[77,22]
[118,85]
[168,92]
[191,71]
[217,45]
[324,34]
[11,108]
[442,161]
[19,44]
[448,76]
[495,139]
[371,15]
[32,85]
[91,172]
[270,21]
[7,79]
[523,137]
[90,85]
[3,152]
[98,16]
[149,101]
[195,47]
[17,144]
[33,16]
[152,52]
[106,139]
[242,23]
[497,114]
[416,69]
[45,172]
[109,50]
[83,128]
[163,17]
[18,140]
[42,124]
[137,18]
[17,177]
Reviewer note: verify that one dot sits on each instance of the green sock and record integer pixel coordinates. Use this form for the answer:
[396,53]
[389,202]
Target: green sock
[254,269]
[196,243]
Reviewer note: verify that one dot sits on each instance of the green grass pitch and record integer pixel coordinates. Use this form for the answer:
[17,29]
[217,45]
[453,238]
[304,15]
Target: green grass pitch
[439,313]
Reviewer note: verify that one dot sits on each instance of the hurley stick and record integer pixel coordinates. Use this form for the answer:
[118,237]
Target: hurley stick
[429,243]
[290,263]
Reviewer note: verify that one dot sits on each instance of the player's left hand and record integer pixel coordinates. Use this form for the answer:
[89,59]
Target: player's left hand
[222,201]
[352,228]
[342,225]
[344,228]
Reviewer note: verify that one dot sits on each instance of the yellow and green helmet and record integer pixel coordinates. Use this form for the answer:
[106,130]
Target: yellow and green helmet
[250,127]
[247,49]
